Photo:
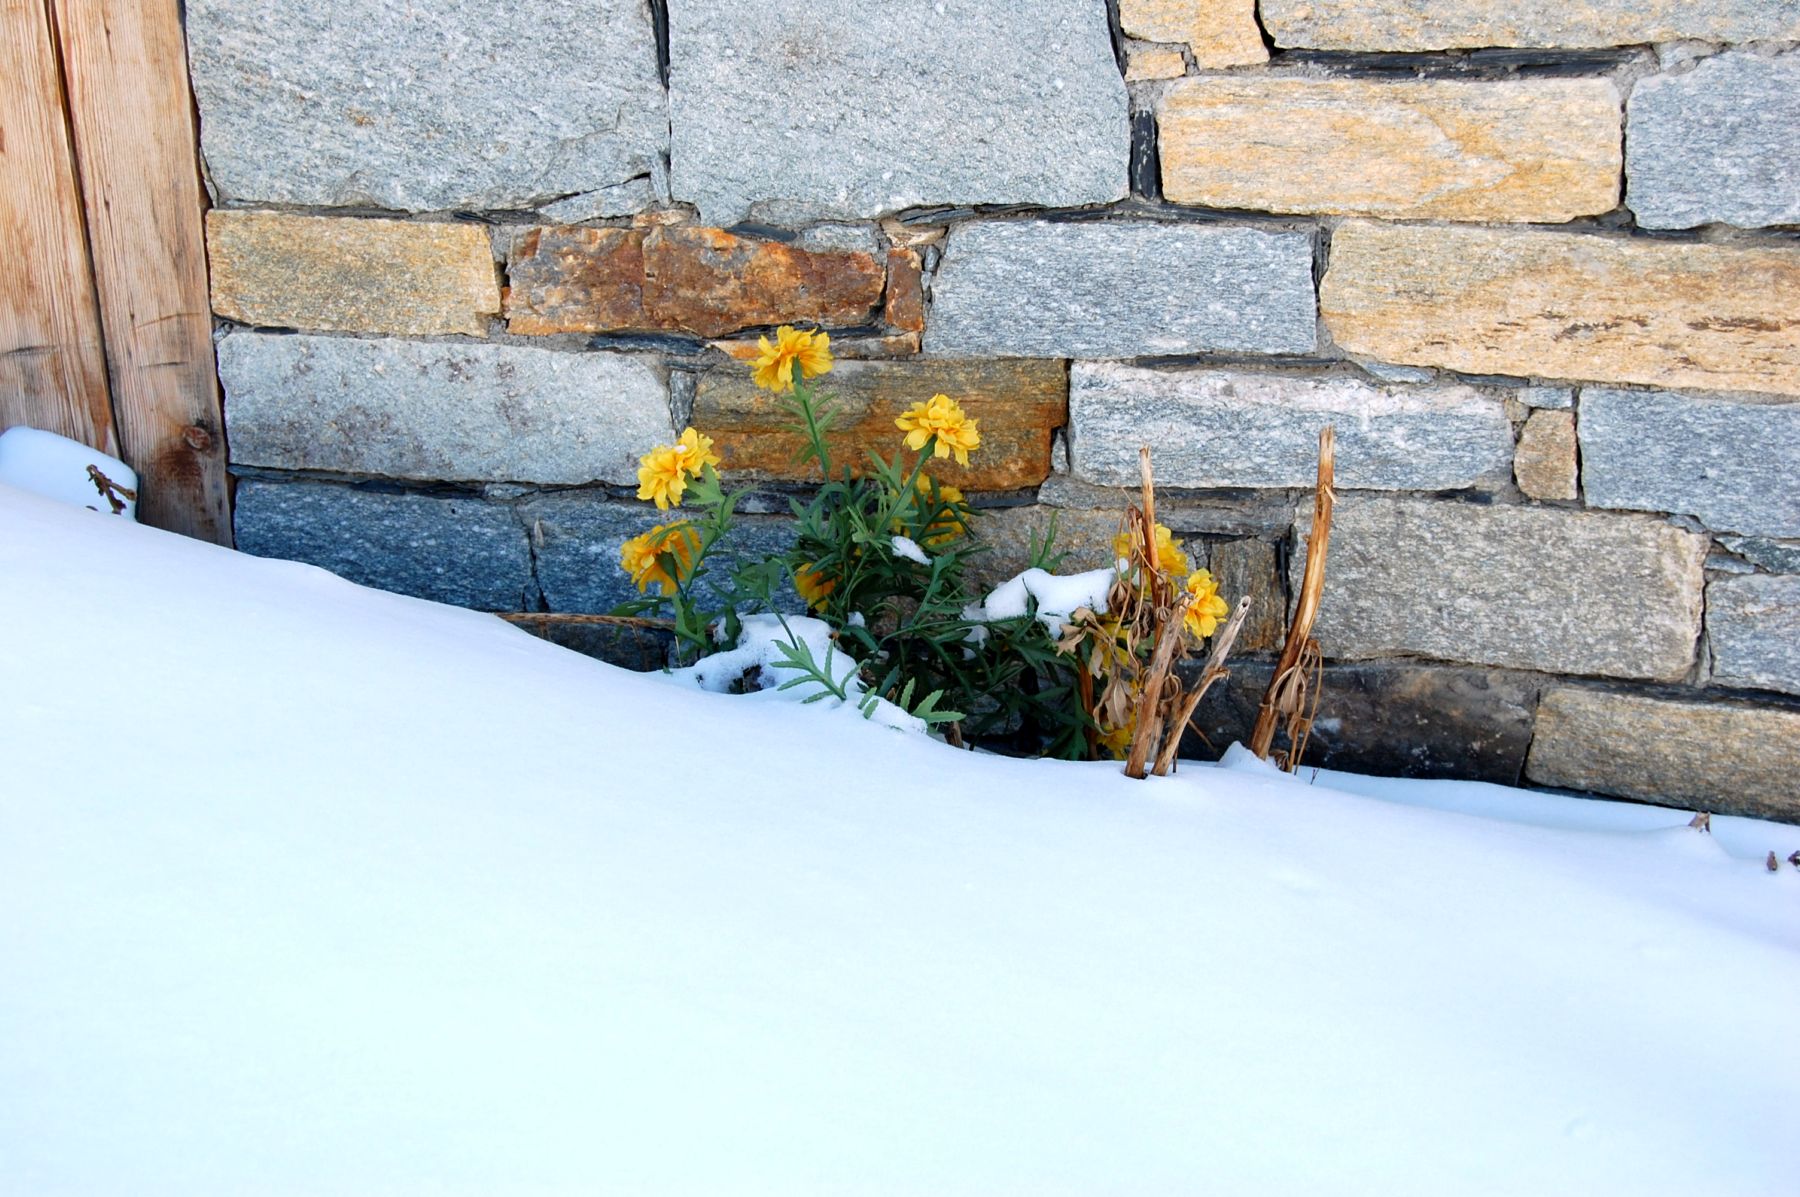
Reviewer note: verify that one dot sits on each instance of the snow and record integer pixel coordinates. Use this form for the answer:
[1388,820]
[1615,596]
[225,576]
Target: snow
[907,547]
[57,468]
[310,889]
[1058,597]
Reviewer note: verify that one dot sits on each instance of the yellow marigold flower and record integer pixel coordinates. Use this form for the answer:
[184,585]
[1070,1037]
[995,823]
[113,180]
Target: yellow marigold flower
[1118,740]
[943,418]
[663,472]
[949,525]
[1205,607]
[1169,557]
[814,586]
[773,367]
[642,556]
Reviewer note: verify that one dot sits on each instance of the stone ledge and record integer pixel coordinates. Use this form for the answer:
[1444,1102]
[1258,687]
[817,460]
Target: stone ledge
[1732,758]
[1414,25]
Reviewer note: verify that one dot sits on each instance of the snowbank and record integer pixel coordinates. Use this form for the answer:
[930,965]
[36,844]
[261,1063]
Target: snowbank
[306,888]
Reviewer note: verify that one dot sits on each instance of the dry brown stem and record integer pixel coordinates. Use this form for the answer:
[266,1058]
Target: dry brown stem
[1215,671]
[1286,699]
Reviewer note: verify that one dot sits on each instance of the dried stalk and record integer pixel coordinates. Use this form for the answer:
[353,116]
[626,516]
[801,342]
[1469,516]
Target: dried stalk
[111,491]
[1149,721]
[1215,670]
[1287,692]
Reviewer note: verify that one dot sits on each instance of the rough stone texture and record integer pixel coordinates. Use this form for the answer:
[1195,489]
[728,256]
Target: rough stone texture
[425,106]
[1219,33]
[1567,305]
[464,551]
[281,271]
[1550,397]
[1731,463]
[1542,150]
[1753,626]
[1144,62]
[698,280]
[1017,405]
[1450,24]
[1545,463]
[1010,533]
[1032,288]
[1728,757]
[1519,587]
[1227,513]
[905,307]
[1391,720]
[1772,555]
[577,535]
[1238,428]
[883,107]
[1717,144]
[439,410]
[1250,567]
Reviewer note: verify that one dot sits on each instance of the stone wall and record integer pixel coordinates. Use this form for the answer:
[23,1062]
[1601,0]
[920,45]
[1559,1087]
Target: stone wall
[1538,262]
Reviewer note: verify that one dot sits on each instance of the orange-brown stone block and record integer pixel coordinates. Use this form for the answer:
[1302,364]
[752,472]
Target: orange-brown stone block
[1018,404]
[681,279]
[905,290]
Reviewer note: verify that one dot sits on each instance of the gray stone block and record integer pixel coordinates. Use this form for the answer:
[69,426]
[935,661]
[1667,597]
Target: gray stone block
[1392,720]
[462,551]
[849,109]
[1729,757]
[577,536]
[426,106]
[1518,587]
[439,410]
[1753,626]
[1780,557]
[1717,144]
[1032,288]
[1729,462]
[1238,428]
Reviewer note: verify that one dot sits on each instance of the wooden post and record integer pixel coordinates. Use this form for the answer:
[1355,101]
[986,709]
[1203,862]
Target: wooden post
[52,372]
[125,64]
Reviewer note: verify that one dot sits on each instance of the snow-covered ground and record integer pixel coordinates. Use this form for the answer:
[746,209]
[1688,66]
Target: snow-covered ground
[309,889]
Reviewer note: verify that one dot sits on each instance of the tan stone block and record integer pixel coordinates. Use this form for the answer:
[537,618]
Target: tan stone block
[1728,757]
[1018,404]
[1545,463]
[342,274]
[678,278]
[1219,33]
[1448,24]
[1144,62]
[1545,150]
[1567,305]
[1251,567]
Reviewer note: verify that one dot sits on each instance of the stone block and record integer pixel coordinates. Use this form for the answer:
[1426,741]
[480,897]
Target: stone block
[464,551]
[1729,462]
[1717,144]
[1218,33]
[1145,62]
[1017,404]
[1544,150]
[1009,534]
[1729,757]
[1518,587]
[1545,463]
[1753,627]
[1212,428]
[576,537]
[892,106]
[905,308]
[703,281]
[1567,305]
[1773,555]
[1390,720]
[1214,513]
[331,274]
[1033,288]
[439,410]
[628,646]
[1250,567]
[1412,25]
[425,107]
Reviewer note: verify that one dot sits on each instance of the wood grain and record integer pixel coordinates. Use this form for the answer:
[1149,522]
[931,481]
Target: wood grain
[52,371]
[125,66]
